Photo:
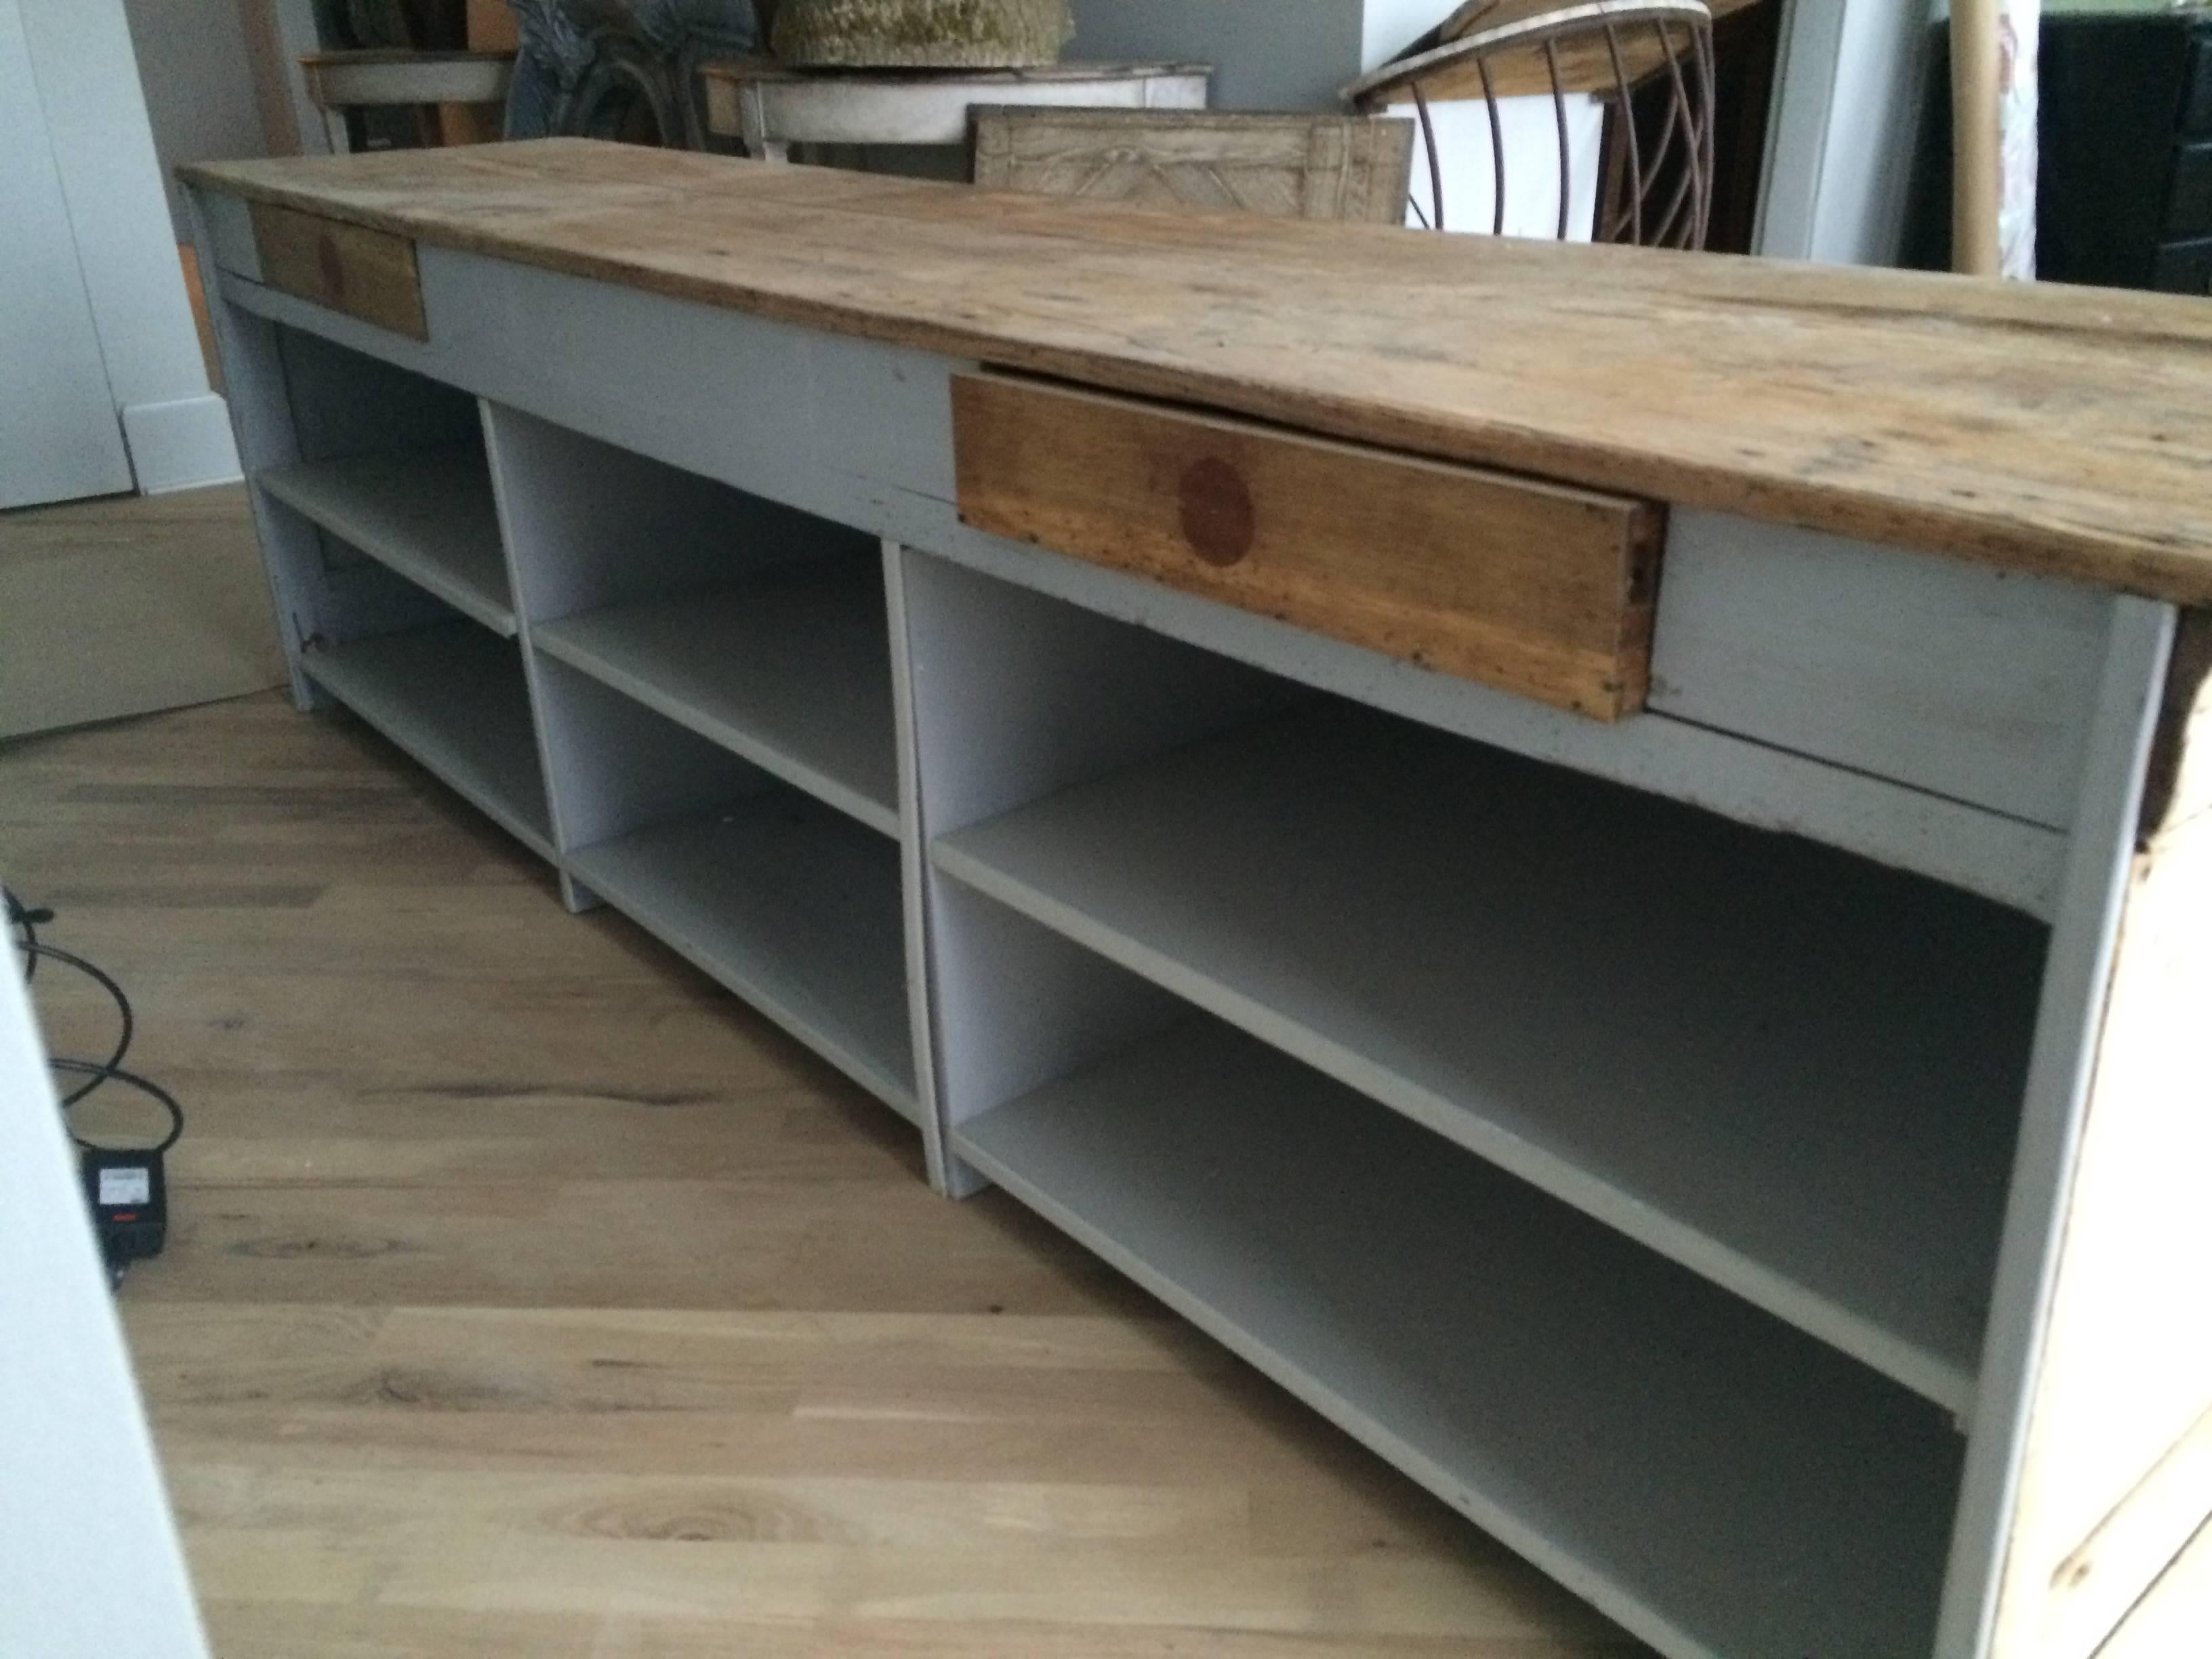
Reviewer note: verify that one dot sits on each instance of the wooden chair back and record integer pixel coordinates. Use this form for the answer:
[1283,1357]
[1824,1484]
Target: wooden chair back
[1305,167]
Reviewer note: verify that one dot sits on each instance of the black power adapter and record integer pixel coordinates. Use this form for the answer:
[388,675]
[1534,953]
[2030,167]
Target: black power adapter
[130,1200]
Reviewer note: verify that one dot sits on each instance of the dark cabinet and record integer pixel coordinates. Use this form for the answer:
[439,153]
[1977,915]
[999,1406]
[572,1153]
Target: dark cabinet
[2125,196]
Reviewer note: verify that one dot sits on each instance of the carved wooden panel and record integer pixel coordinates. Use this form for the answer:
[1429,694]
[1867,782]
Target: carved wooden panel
[1306,167]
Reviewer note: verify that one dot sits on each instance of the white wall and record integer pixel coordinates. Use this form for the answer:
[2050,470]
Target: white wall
[1271,54]
[1531,132]
[1846,121]
[58,435]
[178,432]
[1391,26]
[90,1563]
[197,76]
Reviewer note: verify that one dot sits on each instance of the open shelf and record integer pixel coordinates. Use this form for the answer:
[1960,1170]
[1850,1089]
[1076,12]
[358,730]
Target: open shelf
[454,698]
[1795,1072]
[792,670]
[1715,1481]
[792,906]
[426,514]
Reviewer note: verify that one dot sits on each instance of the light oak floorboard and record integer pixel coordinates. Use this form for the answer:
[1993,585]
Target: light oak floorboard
[528,1298]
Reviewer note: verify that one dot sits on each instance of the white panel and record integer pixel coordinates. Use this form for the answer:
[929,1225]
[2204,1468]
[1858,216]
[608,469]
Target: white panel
[95,108]
[1969,682]
[59,433]
[182,445]
[90,1563]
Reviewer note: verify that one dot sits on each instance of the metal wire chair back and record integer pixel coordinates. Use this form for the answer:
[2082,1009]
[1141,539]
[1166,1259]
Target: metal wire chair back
[1650,62]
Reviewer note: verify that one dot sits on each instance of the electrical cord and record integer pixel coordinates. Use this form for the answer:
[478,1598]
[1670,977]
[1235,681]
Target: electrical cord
[100,1074]
[25,923]
[96,1073]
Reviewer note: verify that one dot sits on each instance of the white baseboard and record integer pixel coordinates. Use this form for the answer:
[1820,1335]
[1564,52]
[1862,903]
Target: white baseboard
[181,444]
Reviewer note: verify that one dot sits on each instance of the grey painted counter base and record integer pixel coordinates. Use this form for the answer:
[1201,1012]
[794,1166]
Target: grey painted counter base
[1659,1139]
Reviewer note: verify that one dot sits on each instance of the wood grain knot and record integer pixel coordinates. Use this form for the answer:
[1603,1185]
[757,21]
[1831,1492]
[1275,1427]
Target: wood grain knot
[331,264]
[1218,517]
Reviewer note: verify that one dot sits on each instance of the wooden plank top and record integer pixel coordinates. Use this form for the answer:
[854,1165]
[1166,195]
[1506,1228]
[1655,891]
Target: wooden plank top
[2062,431]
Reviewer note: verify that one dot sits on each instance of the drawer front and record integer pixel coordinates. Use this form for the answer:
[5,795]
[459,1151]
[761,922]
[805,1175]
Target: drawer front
[367,274]
[1538,589]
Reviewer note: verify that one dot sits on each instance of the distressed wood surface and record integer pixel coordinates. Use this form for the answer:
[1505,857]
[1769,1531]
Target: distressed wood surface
[2117,1474]
[874,34]
[1529,587]
[366,273]
[2062,430]
[1306,167]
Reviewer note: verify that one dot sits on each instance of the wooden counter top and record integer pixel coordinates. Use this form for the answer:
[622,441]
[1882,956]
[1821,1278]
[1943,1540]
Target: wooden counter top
[2062,431]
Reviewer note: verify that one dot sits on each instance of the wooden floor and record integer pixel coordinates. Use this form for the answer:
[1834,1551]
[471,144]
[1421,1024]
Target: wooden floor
[129,604]
[528,1298]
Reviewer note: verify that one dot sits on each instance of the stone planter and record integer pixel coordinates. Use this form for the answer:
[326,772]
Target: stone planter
[925,33]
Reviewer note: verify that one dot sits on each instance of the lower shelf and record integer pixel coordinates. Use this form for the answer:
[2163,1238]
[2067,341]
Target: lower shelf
[792,905]
[454,698]
[1791,1070]
[1717,1482]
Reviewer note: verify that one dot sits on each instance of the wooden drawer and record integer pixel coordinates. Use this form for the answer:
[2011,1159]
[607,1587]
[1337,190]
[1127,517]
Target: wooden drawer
[1535,588]
[368,274]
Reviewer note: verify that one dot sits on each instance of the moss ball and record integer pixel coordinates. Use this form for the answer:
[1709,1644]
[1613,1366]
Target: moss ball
[935,33]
